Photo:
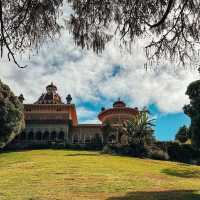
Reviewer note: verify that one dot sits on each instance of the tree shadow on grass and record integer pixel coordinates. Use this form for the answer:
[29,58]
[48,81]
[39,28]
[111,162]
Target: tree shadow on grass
[82,154]
[187,173]
[162,195]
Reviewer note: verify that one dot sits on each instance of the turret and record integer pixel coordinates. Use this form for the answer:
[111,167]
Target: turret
[21,98]
[68,99]
[102,109]
[50,97]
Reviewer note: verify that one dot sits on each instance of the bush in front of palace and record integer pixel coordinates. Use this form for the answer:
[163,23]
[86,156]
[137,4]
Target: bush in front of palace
[11,115]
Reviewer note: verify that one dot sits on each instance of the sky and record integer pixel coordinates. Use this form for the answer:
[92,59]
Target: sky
[96,81]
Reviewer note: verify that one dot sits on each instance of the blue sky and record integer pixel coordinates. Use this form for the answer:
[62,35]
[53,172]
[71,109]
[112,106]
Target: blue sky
[168,124]
[98,80]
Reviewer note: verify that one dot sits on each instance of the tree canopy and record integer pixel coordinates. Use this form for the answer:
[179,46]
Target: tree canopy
[193,111]
[25,24]
[11,115]
[171,26]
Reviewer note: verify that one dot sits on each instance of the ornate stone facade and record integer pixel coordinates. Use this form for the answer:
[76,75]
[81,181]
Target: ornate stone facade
[51,122]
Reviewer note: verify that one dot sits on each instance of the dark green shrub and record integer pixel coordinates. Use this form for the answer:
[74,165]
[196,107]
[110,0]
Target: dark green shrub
[174,151]
[136,150]
[108,149]
[182,153]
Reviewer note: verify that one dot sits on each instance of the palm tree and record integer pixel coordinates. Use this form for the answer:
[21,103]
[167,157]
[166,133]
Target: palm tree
[139,128]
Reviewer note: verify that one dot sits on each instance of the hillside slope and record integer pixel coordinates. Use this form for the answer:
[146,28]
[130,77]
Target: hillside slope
[64,174]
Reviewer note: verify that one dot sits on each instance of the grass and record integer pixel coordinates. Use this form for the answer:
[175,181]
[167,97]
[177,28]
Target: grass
[78,175]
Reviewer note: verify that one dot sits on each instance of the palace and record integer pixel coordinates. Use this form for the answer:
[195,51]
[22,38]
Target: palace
[51,122]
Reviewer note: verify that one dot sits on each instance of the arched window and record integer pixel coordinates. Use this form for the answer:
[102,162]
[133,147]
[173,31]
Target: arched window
[75,139]
[112,138]
[30,135]
[53,136]
[23,135]
[87,139]
[38,135]
[61,135]
[97,139]
[45,135]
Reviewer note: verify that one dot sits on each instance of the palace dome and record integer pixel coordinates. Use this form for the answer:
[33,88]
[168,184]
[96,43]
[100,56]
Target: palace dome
[118,114]
[50,97]
[118,104]
[51,87]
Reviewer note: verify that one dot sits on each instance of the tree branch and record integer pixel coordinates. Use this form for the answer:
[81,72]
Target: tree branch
[4,40]
[170,3]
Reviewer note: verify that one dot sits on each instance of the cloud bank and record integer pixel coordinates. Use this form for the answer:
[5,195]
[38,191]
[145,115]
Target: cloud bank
[98,79]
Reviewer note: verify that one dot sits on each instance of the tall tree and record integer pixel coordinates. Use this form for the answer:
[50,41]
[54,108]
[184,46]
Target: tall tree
[193,111]
[11,115]
[139,128]
[172,25]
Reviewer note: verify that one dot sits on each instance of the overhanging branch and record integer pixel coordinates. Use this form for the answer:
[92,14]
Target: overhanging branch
[162,20]
[4,40]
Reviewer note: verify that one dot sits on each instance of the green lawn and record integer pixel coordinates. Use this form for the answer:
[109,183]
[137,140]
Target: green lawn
[64,174]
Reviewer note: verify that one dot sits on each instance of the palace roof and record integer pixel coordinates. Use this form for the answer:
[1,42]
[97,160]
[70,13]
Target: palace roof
[118,104]
[50,97]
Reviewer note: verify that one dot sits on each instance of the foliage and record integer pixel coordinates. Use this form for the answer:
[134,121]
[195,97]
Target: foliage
[139,129]
[183,153]
[173,26]
[135,150]
[108,149]
[157,154]
[182,134]
[163,145]
[25,24]
[138,150]
[193,111]
[11,115]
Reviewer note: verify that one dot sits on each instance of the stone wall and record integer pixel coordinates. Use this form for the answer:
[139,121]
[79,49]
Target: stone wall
[86,134]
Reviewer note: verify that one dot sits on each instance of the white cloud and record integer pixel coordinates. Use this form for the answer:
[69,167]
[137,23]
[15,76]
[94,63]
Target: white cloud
[85,113]
[90,121]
